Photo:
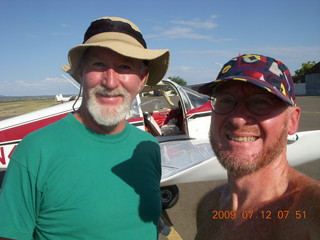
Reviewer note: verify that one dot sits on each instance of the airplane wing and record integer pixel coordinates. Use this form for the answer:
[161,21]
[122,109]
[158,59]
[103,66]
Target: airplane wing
[304,148]
[189,160]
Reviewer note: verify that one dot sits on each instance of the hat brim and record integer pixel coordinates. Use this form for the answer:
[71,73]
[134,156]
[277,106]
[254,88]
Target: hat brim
[158,60]
[208,88]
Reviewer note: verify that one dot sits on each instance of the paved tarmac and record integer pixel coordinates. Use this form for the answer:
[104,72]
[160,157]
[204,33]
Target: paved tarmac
[183,214]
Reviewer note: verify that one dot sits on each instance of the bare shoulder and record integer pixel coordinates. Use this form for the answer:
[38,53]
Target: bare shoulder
[309,197]
[306,188]
[306,196]
[210,202]
[211,199]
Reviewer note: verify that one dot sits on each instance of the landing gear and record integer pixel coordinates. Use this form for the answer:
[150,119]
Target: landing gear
[169,196]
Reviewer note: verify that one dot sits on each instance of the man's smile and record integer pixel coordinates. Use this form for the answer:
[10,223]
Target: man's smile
[242,138]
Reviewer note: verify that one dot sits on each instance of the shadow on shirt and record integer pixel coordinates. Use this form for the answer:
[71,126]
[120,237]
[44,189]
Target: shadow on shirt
[2,173]
[143,173]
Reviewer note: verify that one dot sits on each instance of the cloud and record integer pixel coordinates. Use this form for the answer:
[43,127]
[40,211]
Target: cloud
[212,60]
[195,29]
[197,23]
[309,51]
[290,54]
[194,75]
[293,56]
[29,35]
[178,33]
[47,86]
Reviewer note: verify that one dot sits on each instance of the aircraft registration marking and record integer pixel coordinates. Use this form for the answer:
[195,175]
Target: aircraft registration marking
[5,154]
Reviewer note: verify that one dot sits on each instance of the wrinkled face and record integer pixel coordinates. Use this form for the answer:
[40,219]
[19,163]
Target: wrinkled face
[110,82]
[245,142]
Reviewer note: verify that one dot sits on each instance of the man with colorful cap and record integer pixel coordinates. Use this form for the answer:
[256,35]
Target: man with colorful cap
[253,111]
[91,175]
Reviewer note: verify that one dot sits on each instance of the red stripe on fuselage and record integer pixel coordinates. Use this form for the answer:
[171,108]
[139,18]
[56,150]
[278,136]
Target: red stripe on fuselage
[18,132]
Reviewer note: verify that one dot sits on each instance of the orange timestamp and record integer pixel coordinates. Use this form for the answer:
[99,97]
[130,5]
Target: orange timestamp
[266,214]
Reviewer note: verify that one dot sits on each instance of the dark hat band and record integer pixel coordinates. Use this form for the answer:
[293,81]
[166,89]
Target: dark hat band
[107,25]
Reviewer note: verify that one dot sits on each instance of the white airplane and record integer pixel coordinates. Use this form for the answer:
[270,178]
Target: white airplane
[62,99]
[167,111]
[179,118]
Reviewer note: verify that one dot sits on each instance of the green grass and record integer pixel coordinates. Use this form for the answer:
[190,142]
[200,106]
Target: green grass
[14,108]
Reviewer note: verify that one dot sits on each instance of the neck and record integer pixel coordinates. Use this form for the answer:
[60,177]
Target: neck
[83,116]
[258,188]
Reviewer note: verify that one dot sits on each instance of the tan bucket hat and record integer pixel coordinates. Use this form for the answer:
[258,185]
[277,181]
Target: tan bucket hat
[123,37]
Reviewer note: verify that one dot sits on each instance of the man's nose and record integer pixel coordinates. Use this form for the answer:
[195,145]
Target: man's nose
[110,78]
[241,114]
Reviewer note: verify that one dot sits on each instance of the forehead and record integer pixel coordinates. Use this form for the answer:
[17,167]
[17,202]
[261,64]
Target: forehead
[239,87]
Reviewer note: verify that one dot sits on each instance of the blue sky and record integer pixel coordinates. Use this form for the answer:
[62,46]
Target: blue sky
[201,35]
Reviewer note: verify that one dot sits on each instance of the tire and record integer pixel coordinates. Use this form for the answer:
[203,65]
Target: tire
[169,196]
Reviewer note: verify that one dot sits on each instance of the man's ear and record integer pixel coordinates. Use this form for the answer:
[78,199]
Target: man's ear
[294,116]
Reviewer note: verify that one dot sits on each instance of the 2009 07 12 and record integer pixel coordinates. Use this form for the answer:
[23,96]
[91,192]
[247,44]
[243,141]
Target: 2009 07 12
[267,214]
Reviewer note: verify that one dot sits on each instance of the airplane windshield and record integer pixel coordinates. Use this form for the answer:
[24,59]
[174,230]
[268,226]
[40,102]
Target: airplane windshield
[134,110]
[196,99]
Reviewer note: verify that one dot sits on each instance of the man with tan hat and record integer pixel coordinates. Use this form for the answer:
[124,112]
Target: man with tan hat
[91,175]
[253,111]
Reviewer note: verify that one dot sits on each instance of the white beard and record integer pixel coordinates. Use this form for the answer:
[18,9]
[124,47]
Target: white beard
[106,115]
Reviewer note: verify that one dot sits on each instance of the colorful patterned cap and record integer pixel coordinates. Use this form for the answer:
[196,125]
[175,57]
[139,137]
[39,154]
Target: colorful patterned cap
[265,72]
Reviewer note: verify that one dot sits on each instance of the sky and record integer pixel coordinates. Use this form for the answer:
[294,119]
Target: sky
[201,35]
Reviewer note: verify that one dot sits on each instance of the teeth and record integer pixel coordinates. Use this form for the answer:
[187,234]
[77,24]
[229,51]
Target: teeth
[243,139]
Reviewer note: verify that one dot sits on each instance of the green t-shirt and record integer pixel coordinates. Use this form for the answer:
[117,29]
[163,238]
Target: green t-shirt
[65,181]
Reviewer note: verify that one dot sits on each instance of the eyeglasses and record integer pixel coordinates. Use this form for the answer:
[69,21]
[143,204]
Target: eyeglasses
[258,104]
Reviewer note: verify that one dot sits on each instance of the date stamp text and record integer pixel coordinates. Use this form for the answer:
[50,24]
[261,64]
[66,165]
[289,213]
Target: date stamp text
[268,215]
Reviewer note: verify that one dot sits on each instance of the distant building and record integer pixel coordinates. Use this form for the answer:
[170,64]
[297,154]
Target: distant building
[312,79]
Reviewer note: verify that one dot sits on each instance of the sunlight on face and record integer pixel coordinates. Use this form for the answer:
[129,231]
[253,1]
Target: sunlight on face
[243,164]
[110,82]
[243,139]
